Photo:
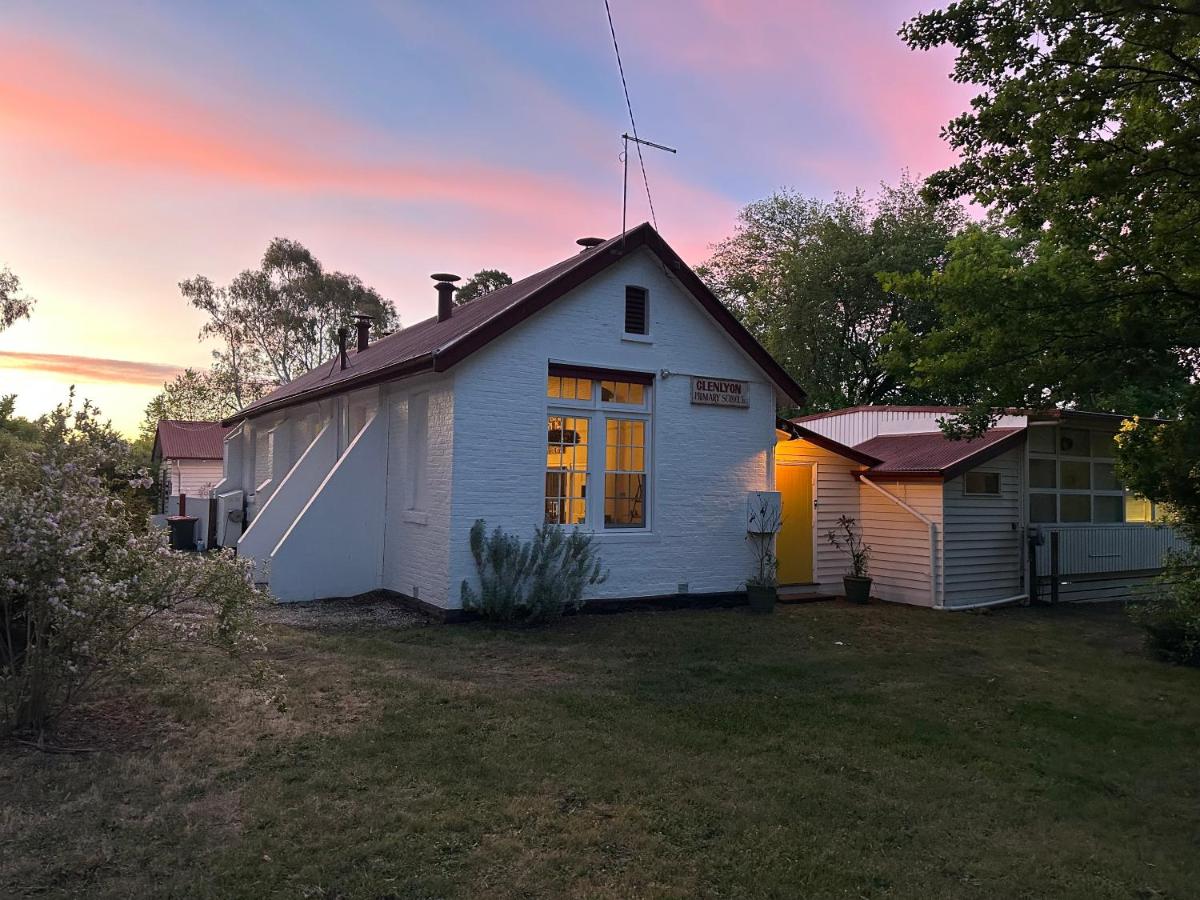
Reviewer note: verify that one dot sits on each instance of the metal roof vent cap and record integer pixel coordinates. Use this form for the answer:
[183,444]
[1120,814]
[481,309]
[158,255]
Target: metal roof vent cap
[362,324]
[445,288]
[587,243]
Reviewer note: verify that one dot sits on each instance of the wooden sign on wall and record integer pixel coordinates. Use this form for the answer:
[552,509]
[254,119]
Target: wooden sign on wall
[720,392]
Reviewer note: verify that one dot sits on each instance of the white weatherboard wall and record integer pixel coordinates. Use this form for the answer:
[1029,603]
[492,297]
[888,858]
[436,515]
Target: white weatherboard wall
[704,459]
[899,541]
[416,553]
[294,491]
[836,494]
[194,477]
[984,536]
[335,546]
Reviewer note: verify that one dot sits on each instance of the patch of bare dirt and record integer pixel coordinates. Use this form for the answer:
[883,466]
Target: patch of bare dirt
[372,610]
[114,723]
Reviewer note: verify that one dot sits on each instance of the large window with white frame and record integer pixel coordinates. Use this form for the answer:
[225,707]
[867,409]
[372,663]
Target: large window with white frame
[598,442]
[1072,479]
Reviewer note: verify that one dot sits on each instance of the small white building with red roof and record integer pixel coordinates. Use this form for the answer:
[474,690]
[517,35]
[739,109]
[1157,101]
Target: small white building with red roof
[1034,507]
[189,457]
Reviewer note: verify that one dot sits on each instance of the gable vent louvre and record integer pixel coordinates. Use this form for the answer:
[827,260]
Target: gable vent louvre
[635,310]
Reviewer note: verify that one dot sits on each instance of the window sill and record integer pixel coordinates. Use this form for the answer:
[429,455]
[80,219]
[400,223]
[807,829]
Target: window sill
[415,516]
[621,536]
[636,338]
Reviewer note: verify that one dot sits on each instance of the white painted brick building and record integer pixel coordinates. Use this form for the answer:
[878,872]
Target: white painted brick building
[566,397]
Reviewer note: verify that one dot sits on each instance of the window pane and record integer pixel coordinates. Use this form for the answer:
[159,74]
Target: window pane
[1104,477]
[1076,507]
[566,467]
[1104,444]
[1043,473]
[1076,476]
[981,483]
[624,501]
[1042,508]
[553,386]
[1108,508]
[583,389]
[1074,442]
[1043,438]
[624,478]
[1138,509]
[627,392]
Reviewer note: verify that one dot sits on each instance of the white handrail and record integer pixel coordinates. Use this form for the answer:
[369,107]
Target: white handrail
[933,592]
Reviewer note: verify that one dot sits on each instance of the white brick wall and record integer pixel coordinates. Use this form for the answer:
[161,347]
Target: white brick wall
[416,542]
[704,459]
[486,448]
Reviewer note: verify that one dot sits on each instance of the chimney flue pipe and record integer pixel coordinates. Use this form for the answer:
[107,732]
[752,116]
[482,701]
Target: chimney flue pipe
[362,324]
[445,289]
[343,331]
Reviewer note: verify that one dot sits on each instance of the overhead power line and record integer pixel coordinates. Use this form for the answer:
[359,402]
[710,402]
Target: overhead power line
[632,122]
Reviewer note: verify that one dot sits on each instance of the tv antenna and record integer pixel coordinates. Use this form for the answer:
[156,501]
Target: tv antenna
[626,138]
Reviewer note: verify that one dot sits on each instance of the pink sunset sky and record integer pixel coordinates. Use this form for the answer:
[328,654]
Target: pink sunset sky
[143,144]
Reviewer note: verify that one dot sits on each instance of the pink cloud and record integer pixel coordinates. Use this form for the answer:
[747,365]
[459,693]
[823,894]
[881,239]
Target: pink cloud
[55,97]
[90,368]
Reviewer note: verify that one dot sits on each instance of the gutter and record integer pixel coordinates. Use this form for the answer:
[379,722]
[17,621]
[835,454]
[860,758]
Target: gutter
[414,366]
[933,591]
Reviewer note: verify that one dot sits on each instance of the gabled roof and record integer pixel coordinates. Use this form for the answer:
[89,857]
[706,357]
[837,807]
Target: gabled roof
[433,346]
[914,455]
[189,439]
[933,454]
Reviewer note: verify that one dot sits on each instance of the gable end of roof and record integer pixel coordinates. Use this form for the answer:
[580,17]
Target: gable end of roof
[438,346]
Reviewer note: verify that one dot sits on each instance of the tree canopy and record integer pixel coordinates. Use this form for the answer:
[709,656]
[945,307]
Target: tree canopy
[13,305]
[281,319]
[801,274]
[1084,143]
[482,282]
[192,395]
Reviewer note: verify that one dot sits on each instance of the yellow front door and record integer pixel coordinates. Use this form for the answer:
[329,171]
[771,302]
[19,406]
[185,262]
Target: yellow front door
[794,545]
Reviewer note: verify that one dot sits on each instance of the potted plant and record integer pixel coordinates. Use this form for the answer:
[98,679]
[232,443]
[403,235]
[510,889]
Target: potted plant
[762,587]
[856,583]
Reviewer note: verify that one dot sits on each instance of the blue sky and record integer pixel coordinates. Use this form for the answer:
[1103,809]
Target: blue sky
[145,143]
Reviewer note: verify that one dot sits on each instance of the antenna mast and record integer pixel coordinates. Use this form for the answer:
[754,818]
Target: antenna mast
[626,138]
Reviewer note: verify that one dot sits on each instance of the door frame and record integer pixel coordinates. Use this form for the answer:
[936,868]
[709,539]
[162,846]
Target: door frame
[811,465]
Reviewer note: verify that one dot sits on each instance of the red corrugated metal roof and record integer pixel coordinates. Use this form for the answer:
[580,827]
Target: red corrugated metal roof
[435,346]
[185,439]
[812,417]
[931,453]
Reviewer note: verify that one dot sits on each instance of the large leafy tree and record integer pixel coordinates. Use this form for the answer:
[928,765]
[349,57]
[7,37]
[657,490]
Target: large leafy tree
[801,274]
[482,282]
[281,319]
[1084,141]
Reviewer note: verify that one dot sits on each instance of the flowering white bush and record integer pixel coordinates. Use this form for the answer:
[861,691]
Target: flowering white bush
[85,590]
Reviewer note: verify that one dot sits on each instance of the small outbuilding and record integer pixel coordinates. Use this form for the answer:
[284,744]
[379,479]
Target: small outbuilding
[1032,508]
[189,457]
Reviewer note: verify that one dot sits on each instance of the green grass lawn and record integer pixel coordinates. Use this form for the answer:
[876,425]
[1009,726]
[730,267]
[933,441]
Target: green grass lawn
[825,751]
